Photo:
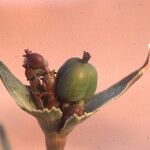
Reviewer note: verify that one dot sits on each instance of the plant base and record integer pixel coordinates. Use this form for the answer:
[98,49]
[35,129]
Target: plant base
[55,141]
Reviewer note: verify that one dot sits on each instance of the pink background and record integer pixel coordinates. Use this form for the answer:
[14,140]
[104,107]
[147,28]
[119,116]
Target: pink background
[115,32]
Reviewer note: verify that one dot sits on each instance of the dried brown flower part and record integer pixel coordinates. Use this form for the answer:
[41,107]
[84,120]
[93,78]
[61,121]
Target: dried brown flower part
[42,85]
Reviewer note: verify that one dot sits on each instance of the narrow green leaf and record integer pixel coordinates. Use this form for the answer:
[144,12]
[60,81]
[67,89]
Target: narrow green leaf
[4,143]
[116,90]
[17,90]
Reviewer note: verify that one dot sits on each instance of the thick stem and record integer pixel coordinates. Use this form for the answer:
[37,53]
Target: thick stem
[55,141]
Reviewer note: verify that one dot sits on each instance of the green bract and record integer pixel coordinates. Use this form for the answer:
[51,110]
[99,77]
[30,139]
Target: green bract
[76,80]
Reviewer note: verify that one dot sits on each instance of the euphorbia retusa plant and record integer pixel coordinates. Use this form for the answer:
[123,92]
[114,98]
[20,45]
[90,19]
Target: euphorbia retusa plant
[62,100]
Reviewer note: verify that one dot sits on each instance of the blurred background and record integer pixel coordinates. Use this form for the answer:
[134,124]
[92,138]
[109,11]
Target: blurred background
[115,32]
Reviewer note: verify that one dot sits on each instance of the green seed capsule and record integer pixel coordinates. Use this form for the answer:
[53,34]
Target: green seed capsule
[76,79]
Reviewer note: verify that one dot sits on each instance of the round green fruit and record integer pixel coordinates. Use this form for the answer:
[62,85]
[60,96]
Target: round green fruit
[76,79]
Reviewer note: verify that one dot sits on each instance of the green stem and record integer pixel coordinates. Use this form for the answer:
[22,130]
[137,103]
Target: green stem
[55,141]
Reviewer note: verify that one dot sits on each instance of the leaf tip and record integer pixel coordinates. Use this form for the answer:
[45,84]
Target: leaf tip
[146,64]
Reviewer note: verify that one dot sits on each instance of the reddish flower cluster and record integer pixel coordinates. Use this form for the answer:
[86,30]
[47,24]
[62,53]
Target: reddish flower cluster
[42,80]
[43,84]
